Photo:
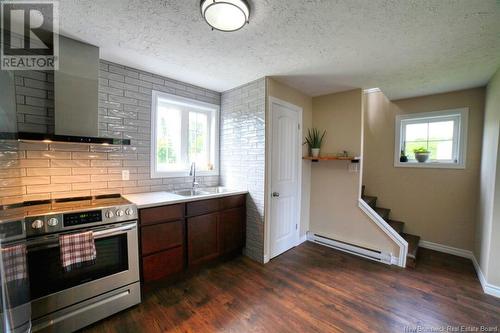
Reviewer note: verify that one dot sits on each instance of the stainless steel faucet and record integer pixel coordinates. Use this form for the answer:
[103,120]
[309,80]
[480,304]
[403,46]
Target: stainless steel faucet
[192,173]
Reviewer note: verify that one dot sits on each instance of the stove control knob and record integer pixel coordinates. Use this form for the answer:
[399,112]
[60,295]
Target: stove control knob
[37,224]
[109,214]
[52,222]
[119,212]
[129,211]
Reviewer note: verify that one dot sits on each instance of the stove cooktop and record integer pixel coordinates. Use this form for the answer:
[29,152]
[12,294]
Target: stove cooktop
[51,216]
[42,207]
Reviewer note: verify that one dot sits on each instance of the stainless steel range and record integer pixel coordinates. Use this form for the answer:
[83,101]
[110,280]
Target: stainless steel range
[64,301]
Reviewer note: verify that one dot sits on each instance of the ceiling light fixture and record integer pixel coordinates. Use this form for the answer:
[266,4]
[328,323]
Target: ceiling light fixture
[225,15]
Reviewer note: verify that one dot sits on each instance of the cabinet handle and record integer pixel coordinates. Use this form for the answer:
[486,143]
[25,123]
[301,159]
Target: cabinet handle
[275,194]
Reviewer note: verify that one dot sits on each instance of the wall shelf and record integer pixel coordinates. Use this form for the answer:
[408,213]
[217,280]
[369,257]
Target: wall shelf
[330,158]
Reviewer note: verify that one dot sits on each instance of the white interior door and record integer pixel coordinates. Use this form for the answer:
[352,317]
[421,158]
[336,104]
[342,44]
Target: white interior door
[285,175]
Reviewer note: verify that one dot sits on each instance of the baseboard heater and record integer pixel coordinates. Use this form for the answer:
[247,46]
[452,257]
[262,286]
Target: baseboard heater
[360,251]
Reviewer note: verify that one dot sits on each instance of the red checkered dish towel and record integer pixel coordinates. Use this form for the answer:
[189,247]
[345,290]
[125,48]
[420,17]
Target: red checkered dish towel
[77,250]
[14,262]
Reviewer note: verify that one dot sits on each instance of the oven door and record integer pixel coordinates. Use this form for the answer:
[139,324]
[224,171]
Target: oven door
[116,265]
[15,304]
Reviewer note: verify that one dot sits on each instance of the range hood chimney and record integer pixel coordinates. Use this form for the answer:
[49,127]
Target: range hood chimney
[76,96]
[76,87]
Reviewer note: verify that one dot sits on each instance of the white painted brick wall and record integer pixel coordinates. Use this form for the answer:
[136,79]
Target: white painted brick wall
[243,155]
[35,171]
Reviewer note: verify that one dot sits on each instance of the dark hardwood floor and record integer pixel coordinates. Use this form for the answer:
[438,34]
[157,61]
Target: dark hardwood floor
[315,289]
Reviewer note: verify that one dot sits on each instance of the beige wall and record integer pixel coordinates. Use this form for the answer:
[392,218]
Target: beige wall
[487,249]
[440,205]
[334,190]
[281,91]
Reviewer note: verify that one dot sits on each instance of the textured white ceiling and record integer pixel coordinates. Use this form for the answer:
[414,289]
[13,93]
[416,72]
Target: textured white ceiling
[407,48]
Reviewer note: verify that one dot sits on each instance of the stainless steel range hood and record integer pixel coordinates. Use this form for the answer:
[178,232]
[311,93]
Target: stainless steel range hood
[76,97]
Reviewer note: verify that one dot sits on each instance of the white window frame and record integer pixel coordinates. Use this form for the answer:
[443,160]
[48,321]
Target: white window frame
[214,134]
[460,132]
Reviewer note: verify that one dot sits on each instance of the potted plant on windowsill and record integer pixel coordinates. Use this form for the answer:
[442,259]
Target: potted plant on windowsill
[422,154]
[314,140]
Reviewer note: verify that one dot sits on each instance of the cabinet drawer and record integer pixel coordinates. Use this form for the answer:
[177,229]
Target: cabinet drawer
[163,236]
[161,214]
[196,208]
[233,201]
[203,238]
[162,264]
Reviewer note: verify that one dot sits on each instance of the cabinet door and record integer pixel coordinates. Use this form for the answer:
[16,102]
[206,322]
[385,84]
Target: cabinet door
[203,238]
[163,264]
[232,229]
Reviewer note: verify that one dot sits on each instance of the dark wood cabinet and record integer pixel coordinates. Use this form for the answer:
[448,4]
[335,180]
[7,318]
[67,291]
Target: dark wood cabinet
[162,242]
[189,234]
[161,214]
[233,201]
[201,207]
[232,230]
[163,264]
[203,238]
[163,236]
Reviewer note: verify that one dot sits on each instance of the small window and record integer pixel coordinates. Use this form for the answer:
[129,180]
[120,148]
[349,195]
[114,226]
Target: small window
[442,134]
[183,131]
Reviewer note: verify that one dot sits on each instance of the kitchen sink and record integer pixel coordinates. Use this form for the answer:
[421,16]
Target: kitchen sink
[215,190]
[201,191]
[191,193]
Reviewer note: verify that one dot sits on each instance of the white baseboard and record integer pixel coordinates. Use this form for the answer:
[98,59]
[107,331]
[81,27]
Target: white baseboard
[489,289]
[446,249]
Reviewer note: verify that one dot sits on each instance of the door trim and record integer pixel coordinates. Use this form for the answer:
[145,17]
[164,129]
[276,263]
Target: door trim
[269,147]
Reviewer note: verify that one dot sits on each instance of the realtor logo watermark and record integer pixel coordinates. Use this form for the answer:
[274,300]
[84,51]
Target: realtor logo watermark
[30,35]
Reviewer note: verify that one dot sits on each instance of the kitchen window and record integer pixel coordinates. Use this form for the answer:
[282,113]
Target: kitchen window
[183,131]
[442,133]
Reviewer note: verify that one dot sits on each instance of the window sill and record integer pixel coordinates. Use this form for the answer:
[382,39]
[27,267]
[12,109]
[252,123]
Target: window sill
[178,174]
[429,165]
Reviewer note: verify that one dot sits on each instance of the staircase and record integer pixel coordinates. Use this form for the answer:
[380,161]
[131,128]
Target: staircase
[411,258]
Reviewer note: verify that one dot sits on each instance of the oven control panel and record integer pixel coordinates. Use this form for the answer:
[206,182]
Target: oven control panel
[72,219]
[120,214]
[46,224]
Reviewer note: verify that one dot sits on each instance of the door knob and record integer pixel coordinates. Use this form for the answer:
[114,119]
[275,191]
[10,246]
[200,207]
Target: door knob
[275,194]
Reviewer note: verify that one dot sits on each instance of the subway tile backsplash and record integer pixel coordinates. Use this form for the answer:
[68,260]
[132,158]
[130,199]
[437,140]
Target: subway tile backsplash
[243,155]
[36,171]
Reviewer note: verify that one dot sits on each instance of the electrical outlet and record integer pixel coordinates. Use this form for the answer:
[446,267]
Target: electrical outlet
[125,174]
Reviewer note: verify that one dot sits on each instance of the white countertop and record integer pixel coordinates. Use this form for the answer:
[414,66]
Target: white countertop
[153,199]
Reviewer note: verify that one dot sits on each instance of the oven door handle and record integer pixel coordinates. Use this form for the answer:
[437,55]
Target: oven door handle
[114,231]
[53,240]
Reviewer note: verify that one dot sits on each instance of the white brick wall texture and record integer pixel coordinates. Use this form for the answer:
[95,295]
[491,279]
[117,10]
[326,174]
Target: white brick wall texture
[243,155]
[36,171]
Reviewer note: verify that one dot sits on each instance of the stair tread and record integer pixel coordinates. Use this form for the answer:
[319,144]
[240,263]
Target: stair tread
[369,199]
[413,241]
[383,212]
[396,225]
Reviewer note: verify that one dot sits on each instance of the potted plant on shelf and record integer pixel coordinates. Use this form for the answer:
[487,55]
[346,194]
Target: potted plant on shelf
[314,140]
[422,154]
